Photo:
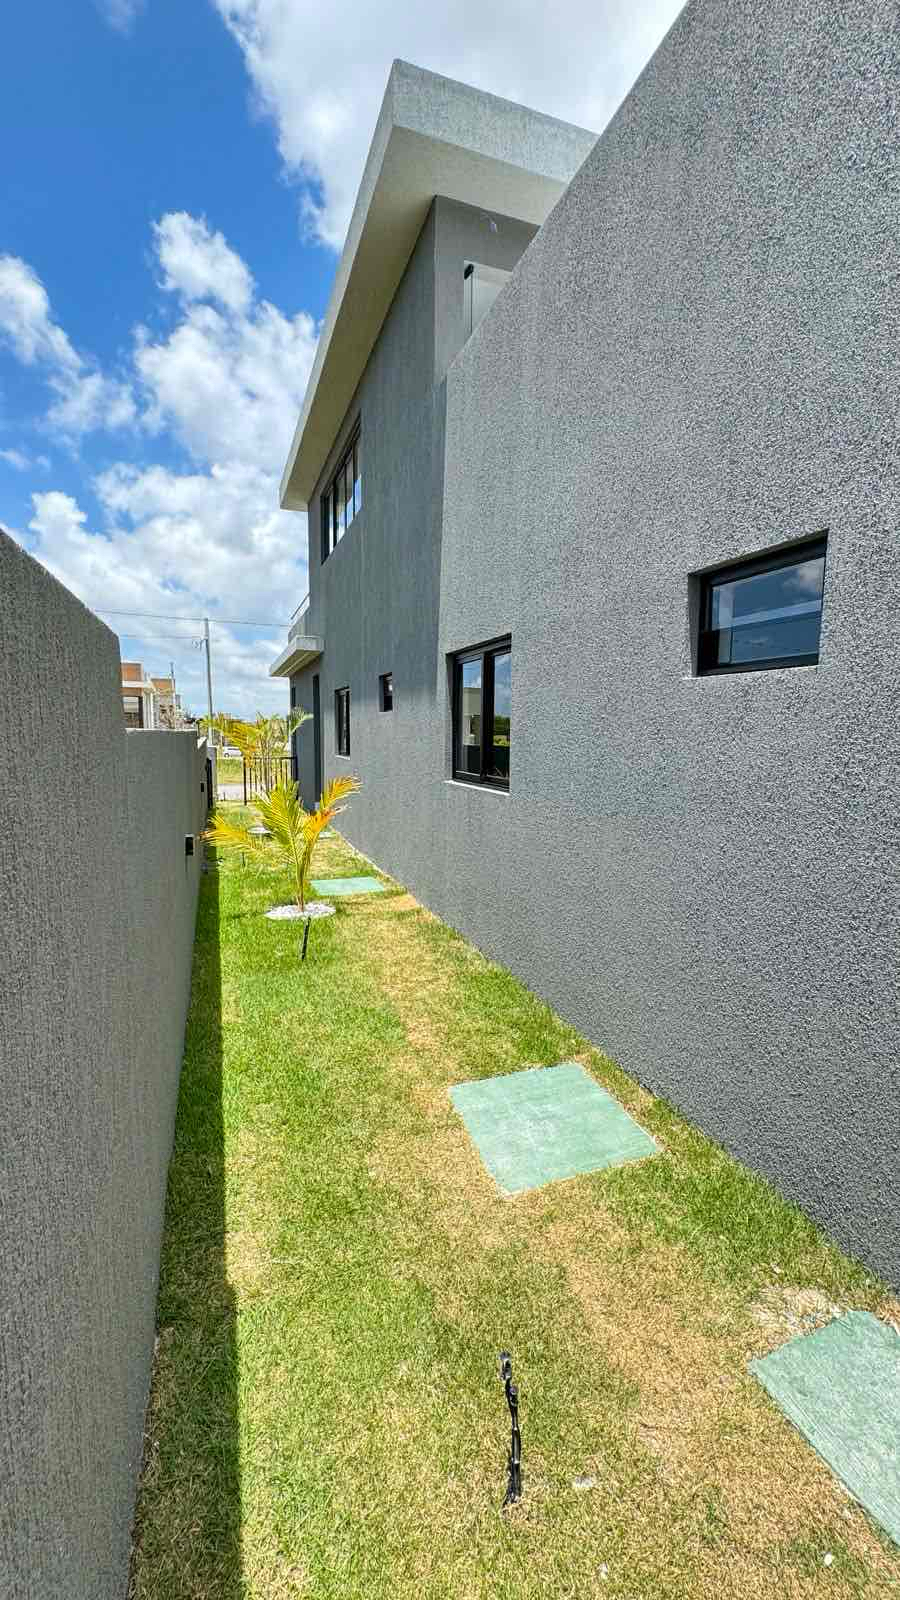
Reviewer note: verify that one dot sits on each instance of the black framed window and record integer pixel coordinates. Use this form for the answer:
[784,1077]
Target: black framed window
[342,721]
[766,612]
[342,500]
[386,691]
[482,696]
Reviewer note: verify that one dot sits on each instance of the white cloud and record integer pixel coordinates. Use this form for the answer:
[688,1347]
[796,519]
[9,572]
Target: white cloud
[120,14]
[182,547]
[22,462]
[226,384]
[25,318]
[229,386]
[199,264]
[87,401]
[85,398]
[320,71]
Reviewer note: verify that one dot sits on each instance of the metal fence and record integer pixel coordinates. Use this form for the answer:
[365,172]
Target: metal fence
[262,775]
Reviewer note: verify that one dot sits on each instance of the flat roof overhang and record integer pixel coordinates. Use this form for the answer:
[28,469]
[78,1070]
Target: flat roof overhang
[297,654]
[433,137]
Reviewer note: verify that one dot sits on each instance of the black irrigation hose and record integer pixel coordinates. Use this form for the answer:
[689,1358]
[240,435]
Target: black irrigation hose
[514,1460]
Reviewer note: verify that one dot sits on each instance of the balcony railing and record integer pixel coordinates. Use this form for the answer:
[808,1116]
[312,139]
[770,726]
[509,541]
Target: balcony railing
[298,620]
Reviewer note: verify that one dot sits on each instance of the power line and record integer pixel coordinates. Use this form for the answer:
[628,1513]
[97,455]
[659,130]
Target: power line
[160,616]
[167,638]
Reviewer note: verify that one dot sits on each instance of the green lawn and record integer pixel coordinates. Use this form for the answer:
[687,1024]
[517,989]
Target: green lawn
[339,1274]
[229,769]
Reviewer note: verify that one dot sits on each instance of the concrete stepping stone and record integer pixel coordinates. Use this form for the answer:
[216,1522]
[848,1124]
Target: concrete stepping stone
[333,886]
[544,1123]
[840,1386]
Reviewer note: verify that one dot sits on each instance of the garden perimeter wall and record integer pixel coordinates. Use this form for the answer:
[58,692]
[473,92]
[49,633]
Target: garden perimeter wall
[96,932]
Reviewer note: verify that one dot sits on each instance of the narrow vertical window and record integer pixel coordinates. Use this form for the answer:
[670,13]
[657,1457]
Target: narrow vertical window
[482,714]
[342,722]
[386,691]
[342,500]
[481,286]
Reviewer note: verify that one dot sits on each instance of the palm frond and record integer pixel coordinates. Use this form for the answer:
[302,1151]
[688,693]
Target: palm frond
[317,821]
[337,790]
[232,835]
[294,832]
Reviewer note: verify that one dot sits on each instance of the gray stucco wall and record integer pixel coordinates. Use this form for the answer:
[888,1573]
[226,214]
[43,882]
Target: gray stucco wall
[376,598]
[95,954]
[695,360]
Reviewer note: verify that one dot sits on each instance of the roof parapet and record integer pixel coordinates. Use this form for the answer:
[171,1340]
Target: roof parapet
[433,137]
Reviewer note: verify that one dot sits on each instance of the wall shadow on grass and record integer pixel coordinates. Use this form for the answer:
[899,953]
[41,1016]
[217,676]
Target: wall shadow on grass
[187,1537]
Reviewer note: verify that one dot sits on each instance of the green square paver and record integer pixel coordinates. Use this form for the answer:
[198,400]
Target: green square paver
[841,1387]
[330,886]
[543,1123]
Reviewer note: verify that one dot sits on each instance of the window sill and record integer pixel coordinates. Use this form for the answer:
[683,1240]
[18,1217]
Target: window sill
[743,673]
[479,788]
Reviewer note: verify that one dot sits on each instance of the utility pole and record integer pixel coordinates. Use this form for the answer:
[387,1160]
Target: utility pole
[176,720]
[208,677]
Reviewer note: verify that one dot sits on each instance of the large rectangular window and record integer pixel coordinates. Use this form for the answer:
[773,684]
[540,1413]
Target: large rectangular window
[342,721]
[482,693]
[766,612]
[342,500]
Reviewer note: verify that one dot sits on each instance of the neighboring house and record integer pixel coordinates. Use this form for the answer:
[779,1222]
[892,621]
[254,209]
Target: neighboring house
[139,696]
[600,454]
[169,712]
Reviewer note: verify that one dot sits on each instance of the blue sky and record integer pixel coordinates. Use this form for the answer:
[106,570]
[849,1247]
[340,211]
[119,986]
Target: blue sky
[177,178]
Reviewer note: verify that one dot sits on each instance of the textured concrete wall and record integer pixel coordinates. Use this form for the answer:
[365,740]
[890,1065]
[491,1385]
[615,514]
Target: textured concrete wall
[695,360]
[95,949]
[375,600]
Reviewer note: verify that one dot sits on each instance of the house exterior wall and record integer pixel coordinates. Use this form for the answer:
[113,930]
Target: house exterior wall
[375,600]
[95,958]
[695,361]
[698,361]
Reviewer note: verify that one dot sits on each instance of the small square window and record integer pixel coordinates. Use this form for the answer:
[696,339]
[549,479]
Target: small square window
[763,613]
[482,695]
[342,722]
[386,691]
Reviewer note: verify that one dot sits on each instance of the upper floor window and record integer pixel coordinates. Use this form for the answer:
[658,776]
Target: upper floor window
[342,500]
[482,693]
[481,288]
[342,722]
[386,691]
[766,612]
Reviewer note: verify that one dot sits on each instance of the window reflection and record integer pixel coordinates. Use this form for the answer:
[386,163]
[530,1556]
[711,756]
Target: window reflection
[342,501]
[767,612]
[482,696]
[469,756]
[502,713]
